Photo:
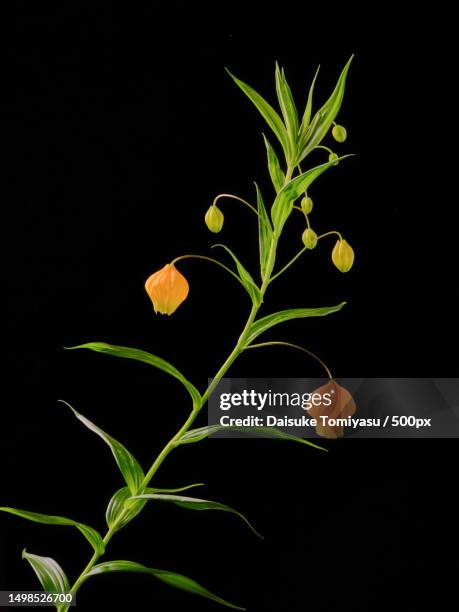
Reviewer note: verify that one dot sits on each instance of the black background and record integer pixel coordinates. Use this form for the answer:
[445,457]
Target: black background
[123,126]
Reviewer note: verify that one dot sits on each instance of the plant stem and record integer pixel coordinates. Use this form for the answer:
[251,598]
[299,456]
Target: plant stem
[169,446]
[295,346]
[330,234]
[240,346]
[215,261]
[233,197]
[324,148]
[288,265]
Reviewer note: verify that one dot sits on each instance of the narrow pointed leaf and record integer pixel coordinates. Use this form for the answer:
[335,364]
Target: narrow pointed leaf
[193,503]
[178,490]
[265,233]
[122,503]
[283,204]
[49,573]
[93,537]
[127,463]
[287,106]
[139,355]
[246,278]
[275,171]
[271,320]
[324,117]
[177,581]
[117,506]
[278,434]
[268,114]
[196,435]
[308,110]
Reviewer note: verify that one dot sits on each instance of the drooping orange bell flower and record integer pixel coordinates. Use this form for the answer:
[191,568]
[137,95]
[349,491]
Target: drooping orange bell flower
[167,289]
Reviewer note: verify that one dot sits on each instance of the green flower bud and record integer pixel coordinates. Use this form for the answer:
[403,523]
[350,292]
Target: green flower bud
[309,238]
[306,205]
[343,256]
[332,157]
[214,219]
[339,133]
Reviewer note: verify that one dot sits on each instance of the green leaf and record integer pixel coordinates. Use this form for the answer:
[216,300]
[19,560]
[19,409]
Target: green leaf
[121,503]
[138,355]
[93,537]
[324,117]
[117,506]
[283,204]
[268,114]
[196,435]
[273,432]
[275,171]
[49,573]
[265,323]
[175,580]
[127,463]
[177,490]
[246,278]
[265,233]
[193,503]
[308,110]
[287,106]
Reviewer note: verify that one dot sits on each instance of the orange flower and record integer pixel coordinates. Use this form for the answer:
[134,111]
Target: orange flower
[342,406]
[167,289]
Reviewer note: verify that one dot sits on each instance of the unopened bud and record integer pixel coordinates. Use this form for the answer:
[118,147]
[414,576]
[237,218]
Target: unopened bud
[306,205]
[332,157]
[309,238]
[343,256]
[214,219]
[339,133]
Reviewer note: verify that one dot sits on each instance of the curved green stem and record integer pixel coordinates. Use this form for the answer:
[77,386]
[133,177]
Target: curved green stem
[288,265]
[240,346]
[215,261]
[324,148]
[233,197]
[305,215]
[295,346]
[173,442]
[302,250]
[94,559]
[241,343]
[330,234]
[169,446]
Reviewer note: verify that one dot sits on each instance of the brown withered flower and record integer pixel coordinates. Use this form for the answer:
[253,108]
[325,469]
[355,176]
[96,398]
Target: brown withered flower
[342,406]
